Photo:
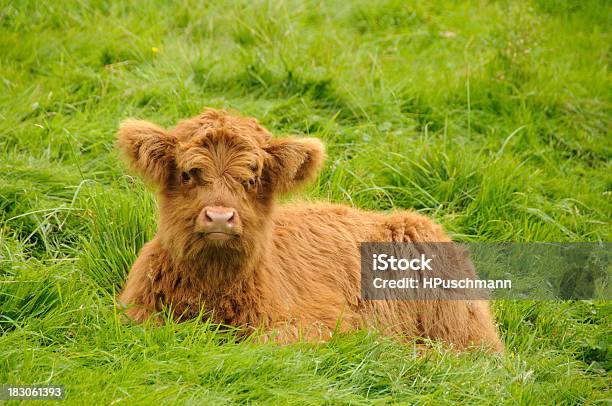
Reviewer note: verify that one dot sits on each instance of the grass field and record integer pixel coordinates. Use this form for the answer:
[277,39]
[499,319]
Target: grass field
[491,117]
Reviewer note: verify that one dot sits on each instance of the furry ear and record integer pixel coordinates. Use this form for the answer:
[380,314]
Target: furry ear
[148,148]
[292,162]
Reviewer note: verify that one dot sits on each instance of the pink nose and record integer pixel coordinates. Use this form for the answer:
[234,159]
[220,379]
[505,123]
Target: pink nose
[217,219]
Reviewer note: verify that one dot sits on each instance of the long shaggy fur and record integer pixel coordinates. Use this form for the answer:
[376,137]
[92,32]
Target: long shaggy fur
[294,270]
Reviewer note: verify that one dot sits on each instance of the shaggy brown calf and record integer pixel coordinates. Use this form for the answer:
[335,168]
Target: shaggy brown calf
[222,243]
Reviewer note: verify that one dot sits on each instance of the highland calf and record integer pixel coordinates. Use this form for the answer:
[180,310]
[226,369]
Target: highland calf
[223,245]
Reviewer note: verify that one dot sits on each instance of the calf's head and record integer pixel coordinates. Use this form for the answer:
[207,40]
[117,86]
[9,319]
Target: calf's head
[217,175]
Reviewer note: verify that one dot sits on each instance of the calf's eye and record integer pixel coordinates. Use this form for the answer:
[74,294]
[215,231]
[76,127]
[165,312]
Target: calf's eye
[185,177]
[250,183]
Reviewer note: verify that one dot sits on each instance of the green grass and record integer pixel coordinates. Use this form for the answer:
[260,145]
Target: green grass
[491,117]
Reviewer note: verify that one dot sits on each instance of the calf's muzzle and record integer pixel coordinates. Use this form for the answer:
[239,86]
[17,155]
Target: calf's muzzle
[218,222]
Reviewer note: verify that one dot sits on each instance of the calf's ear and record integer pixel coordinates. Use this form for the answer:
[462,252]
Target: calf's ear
[149,149]
[292,162]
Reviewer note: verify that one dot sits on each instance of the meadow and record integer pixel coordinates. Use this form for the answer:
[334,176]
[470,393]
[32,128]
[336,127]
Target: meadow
[491,117]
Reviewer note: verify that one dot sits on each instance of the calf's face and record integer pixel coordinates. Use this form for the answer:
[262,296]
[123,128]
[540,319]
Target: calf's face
[217,175]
